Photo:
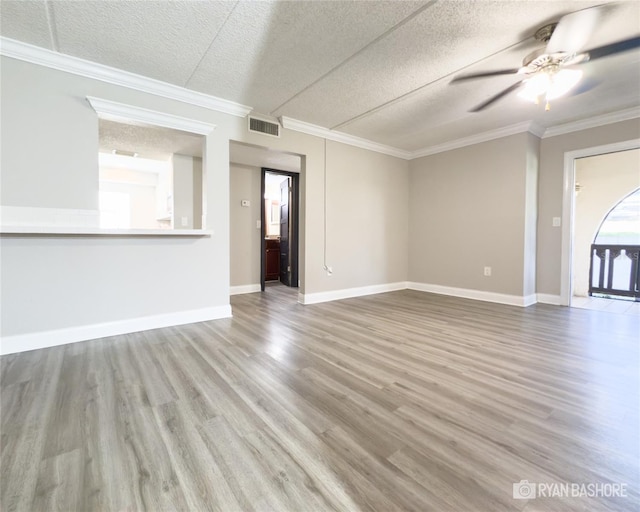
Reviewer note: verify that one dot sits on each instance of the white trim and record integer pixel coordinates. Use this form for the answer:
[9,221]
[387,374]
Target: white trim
[45,339]
[245,288]
[54,60]
[121,112]
[500,298]
[315,298]
[546,298]
[67,63]
[476,139]
[537,130]
[568,200]
[592,122]
[351,140]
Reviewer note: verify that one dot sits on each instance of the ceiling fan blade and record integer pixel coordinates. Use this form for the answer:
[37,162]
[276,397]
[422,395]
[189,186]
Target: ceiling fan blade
[486,74]
[613,48]
[497,97]
[573,31]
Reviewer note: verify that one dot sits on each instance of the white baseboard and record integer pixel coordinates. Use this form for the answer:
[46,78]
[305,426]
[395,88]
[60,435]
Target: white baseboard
[245,288]
[315,298]
[546,298]
[45,339]
[500,298]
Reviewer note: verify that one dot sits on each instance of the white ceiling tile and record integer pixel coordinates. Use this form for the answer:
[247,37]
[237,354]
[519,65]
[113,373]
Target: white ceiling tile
[25,21]
[158,39]
[269,51]
[441,41]
[376,69]
[440,114]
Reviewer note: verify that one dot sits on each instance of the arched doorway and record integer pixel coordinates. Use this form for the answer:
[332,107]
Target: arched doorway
[614,266]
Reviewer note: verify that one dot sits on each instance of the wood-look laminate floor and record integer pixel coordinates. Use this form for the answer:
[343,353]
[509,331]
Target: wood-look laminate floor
[400,401]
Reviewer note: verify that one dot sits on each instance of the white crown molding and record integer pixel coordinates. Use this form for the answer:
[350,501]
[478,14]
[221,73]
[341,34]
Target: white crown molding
[593,122]
[45,339]
[54,60]
[536,129]
[121,112]
[475,139]
[351,140]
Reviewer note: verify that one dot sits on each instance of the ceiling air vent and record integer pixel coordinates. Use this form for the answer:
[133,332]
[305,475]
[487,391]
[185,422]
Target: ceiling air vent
[265,127]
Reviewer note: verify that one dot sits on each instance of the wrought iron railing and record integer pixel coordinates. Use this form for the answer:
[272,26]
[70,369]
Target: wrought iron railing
[614,270]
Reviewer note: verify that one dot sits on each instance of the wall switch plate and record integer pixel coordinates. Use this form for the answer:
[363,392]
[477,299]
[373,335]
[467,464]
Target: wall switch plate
[258,224]
[184,221]
[487,271]
[556,222]
[245,203]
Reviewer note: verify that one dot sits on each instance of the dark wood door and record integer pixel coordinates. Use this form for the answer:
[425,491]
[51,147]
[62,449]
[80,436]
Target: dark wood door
[272,259]
[285,248]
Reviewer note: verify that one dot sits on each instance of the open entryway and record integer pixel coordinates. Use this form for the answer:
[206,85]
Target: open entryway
[265,189]
[280,225]
[605,239]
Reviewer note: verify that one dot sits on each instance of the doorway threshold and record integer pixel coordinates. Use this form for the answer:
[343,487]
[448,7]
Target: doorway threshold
[625,307]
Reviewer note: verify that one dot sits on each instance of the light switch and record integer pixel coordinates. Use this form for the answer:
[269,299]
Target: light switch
[184,221]
[556,222]
[258,224]
[245,203]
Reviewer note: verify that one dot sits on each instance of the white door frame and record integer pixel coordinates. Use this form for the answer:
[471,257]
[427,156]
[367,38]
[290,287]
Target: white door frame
[568,208]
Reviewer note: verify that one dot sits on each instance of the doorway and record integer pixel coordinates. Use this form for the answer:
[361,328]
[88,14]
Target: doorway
[280,228]
[594,182]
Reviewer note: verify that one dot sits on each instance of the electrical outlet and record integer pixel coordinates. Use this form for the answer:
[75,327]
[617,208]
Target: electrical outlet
[487,271]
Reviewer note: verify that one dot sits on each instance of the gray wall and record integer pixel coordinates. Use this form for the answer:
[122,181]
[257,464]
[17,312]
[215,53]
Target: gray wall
[367,216]
[49,140]
[367,219]
[439,222]
[470,208]
[187,191]
[245,236]
[50,158]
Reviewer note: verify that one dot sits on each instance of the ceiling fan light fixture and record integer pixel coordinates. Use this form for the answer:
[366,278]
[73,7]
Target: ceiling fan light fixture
[550,85]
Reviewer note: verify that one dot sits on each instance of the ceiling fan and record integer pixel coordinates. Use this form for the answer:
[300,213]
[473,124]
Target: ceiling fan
[548,73]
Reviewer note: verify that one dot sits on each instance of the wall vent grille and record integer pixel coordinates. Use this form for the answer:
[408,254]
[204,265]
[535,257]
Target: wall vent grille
[264,127]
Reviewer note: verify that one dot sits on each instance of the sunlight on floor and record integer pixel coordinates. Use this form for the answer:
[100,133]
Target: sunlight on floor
[625,307]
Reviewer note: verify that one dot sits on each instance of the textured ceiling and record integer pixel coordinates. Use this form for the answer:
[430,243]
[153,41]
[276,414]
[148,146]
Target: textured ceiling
[375,69]
[152,142]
